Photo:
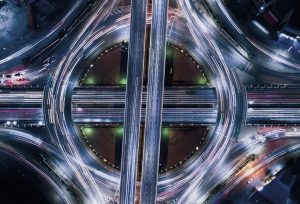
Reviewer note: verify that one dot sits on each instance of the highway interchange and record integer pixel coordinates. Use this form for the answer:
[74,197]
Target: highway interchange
[229,105]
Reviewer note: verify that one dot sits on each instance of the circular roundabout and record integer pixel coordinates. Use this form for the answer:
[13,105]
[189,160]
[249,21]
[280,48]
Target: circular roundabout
[216,131]
[70,70]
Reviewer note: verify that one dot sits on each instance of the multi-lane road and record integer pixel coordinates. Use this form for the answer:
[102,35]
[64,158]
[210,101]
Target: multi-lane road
[133,101]
[182,105]
[228,106]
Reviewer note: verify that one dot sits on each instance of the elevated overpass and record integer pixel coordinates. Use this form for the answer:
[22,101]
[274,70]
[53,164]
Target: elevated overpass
[182,105]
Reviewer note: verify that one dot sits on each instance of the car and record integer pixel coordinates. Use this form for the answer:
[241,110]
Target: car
[260,138]
[8,82]
[259,187]
[22,81]
[250,181]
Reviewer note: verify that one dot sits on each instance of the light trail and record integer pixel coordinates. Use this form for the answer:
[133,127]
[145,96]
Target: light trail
[133,101]
[58,93]
[154,106]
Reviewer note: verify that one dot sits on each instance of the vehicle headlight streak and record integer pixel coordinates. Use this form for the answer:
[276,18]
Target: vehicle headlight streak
[260,48]
[51,34]
[60,113]
[228,106]
[27,161]
[180,180]
[58,87]
[242,150]
[188,180]
[275,156]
